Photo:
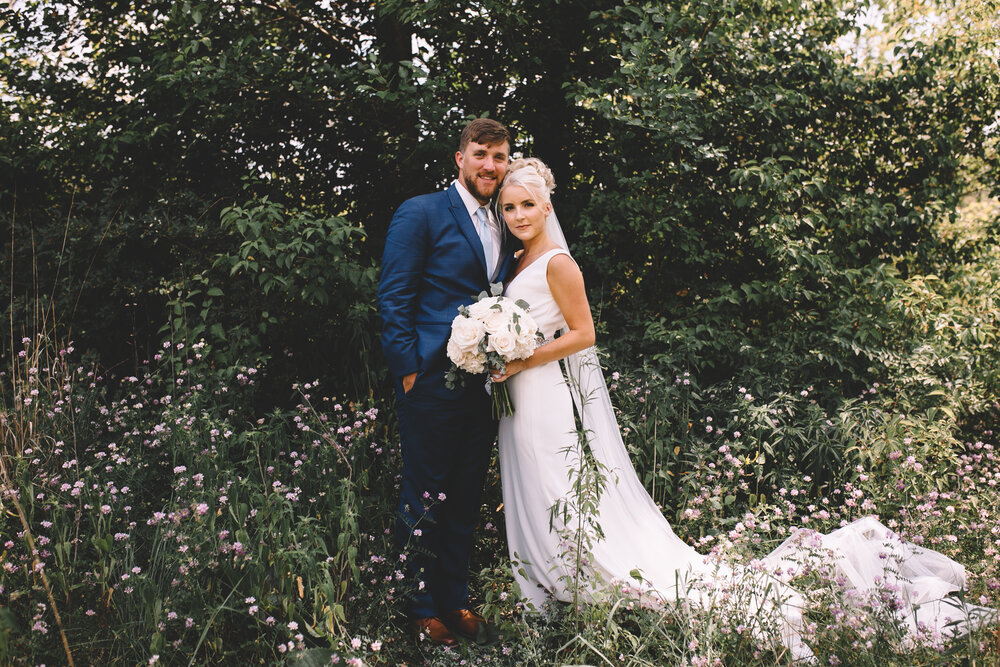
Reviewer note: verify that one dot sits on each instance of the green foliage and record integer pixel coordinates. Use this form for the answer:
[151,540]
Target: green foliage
[299,282]
[936,367]
[737,188]
[125,149]
[776,237]
[308,250]
[758,184]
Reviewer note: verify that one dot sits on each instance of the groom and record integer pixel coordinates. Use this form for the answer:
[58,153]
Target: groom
[442,249]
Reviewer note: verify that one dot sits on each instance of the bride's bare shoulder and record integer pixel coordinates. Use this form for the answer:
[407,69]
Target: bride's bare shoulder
[562,261]
[562,268]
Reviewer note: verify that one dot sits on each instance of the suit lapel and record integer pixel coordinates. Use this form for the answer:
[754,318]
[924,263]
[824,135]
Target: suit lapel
[466,226]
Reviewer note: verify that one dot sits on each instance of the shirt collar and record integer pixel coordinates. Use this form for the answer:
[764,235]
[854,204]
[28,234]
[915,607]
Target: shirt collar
[471,203]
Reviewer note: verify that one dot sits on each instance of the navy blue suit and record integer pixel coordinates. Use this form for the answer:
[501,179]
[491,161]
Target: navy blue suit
[433,263]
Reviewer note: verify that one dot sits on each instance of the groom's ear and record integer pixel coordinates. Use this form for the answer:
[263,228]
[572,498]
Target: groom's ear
[458,159]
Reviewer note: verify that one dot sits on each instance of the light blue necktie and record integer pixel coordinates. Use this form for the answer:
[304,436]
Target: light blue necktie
[486,235]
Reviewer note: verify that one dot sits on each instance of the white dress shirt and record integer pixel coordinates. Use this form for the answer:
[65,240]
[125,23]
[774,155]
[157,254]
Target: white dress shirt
[471,203]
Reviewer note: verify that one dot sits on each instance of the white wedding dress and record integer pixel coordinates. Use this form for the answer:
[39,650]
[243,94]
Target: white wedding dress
[539,447]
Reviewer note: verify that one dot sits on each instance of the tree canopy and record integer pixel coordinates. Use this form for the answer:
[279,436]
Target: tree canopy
[728,173]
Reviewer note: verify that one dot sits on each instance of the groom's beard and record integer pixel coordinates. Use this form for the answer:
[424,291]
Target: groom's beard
[476,187]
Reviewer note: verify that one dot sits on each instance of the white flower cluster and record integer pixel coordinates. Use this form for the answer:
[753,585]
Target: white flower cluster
[491,332]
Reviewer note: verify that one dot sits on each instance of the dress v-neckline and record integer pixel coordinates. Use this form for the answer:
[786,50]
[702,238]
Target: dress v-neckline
[533,262]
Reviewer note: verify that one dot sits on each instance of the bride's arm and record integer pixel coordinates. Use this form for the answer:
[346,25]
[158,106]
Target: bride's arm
[566,284]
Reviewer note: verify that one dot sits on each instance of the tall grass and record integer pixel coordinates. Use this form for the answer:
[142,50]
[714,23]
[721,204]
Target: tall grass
[156,518]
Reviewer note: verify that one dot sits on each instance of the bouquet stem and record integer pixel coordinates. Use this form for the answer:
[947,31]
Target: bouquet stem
[502,406]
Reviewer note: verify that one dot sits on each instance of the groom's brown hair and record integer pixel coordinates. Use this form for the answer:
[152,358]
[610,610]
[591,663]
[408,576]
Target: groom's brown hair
[484,131]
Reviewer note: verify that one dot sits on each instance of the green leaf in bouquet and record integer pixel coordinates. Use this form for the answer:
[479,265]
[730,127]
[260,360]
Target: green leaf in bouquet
[454,378]
[522,304]
[495,360]
[496,289]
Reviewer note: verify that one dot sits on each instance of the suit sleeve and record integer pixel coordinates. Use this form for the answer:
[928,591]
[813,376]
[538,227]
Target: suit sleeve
[403,263]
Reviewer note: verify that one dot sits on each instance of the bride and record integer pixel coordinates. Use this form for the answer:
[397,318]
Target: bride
[566,519]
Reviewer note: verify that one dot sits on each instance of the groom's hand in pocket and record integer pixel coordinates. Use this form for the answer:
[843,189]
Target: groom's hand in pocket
[408,382]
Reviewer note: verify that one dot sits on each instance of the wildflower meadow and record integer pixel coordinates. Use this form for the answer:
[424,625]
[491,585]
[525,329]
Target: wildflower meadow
[158,518]
[787,216]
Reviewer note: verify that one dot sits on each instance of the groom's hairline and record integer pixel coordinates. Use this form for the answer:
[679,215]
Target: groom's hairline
[480,129]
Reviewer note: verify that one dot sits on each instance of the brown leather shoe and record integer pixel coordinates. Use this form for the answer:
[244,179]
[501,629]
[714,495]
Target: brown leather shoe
[433,630]
[465,623]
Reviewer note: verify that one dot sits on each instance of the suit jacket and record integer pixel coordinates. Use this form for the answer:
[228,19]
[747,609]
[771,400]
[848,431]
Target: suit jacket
[433,263]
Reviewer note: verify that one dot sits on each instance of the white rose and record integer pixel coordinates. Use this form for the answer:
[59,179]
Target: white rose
[496,320]
[503,343]
[529,330]
[473,363]
[517,310]
[466,333]
[468,360]
[455,352]
[480,309]
[525,347]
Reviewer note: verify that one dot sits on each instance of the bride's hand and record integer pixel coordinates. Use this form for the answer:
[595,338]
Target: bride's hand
[513,367]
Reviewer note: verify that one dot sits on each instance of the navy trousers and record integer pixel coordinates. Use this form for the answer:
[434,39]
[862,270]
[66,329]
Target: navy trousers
[446,446]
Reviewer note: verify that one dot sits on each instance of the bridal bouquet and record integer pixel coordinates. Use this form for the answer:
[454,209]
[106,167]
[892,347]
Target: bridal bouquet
[487,334]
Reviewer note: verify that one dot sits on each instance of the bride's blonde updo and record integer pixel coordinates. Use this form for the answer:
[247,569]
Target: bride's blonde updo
[532,175]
